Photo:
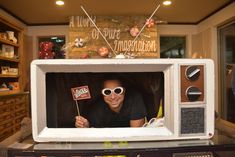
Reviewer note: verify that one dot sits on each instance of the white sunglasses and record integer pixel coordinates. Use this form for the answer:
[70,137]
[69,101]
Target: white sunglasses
[108,91]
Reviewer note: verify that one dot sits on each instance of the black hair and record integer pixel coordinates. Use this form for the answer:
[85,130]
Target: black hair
[113,76]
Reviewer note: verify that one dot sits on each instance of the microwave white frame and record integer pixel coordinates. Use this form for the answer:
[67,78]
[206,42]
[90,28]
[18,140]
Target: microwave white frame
[171,128]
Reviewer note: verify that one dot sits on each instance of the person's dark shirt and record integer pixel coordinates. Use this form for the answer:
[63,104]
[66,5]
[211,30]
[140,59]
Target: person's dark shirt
[101,116]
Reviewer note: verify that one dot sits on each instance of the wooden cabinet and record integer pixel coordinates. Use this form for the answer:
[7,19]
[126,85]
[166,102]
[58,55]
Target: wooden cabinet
[13,101]
[13,108]
[10,58]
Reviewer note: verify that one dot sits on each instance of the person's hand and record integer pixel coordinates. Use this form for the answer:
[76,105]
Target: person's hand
[81,122]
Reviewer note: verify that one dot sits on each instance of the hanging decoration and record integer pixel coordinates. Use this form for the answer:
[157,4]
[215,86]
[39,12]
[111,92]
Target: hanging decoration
[134,31]
[149,23]
[79,42]
[103,51]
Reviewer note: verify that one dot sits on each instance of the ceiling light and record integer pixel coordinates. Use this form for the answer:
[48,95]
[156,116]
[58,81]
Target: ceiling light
[59,2]
[53,38]
[167,2]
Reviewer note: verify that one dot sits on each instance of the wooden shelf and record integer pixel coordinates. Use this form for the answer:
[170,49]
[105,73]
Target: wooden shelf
[9,92]
[12,93]
[4,41]
[9,76]
[9,59]
[13,101]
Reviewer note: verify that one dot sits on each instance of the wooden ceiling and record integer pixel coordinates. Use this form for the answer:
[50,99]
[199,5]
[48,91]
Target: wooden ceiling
[45,12]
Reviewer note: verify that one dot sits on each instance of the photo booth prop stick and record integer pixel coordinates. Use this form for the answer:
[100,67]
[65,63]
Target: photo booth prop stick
[98,30]
[80,93]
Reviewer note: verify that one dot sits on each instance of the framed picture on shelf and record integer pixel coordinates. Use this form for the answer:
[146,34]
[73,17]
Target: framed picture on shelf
[8,51]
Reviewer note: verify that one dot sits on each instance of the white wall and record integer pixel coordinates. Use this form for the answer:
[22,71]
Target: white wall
[208,29]
[180,30]
[42,31]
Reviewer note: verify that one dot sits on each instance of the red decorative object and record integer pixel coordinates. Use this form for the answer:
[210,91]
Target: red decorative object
[80,93]
[149,23]
[46,50]
[103,51]
[134,31]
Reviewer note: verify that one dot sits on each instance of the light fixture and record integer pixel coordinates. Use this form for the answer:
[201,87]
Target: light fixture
[59,2]
[167,2]
[59,40]
[54,38]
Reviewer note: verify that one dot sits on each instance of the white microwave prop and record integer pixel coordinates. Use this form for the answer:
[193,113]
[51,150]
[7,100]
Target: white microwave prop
[188,99]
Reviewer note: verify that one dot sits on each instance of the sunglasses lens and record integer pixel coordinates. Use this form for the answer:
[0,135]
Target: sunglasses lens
[118,90]
[107,92]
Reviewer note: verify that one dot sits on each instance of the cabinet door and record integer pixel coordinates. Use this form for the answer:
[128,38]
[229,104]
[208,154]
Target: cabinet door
[13,109]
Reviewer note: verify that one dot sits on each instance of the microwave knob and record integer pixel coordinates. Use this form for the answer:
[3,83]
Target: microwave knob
[192,72]
[193,93]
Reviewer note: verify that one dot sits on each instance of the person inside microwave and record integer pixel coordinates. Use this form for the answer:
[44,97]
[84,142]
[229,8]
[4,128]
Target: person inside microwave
[117,107]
